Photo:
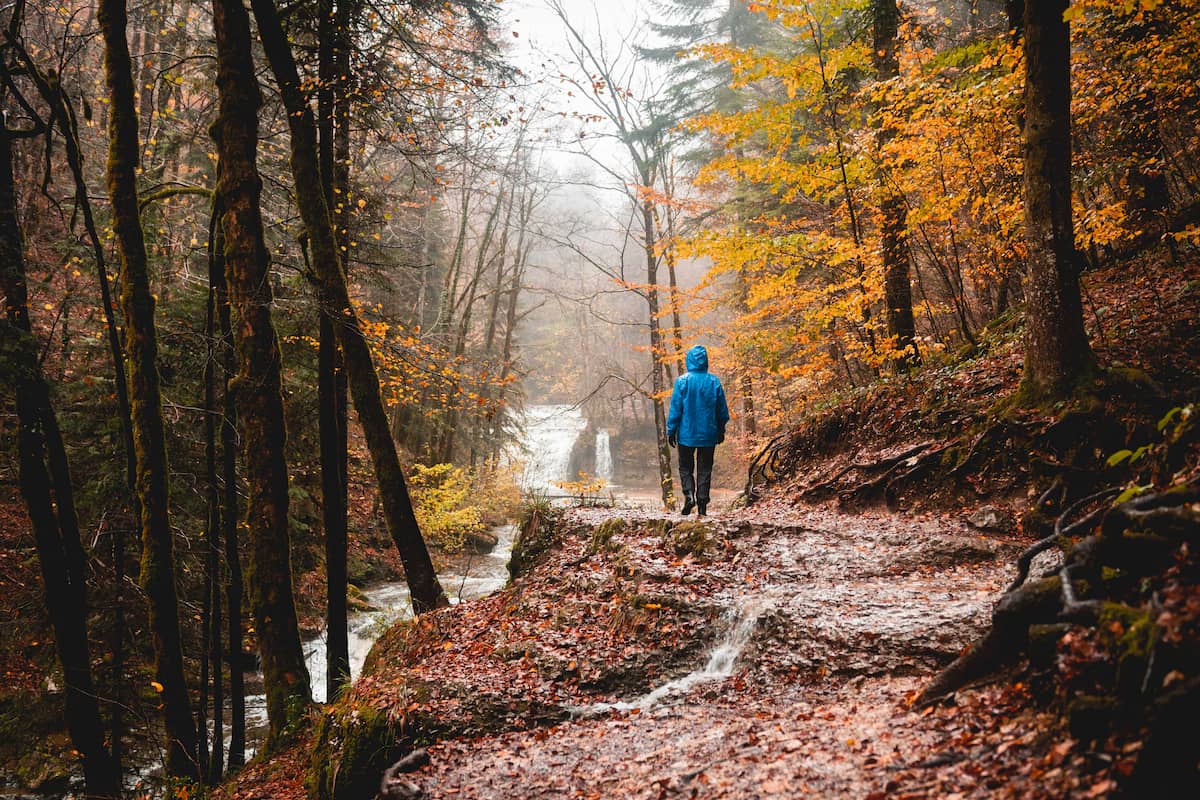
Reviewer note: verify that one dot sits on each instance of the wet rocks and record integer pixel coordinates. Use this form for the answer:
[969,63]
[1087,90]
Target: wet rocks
[993,518]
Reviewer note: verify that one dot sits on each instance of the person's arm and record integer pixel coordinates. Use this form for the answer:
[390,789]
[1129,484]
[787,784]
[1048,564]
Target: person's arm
[675,415]
[722,413]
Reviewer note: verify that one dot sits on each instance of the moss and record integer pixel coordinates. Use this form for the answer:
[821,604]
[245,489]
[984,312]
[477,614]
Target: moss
[538,533]
[694,538]
[352,747]
[1133,637]
[602,534]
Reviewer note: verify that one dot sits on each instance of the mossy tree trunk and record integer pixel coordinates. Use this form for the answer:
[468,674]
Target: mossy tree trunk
[258,387]
[234,588]
[141,346]
[216,277]
[333,295]
[46,487]
[897,290]
[1057,355]
[334,122]
[63,114]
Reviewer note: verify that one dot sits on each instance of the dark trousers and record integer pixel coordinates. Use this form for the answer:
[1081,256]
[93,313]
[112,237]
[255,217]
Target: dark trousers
[695,471]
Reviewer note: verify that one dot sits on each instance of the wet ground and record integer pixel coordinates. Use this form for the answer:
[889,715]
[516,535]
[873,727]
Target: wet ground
[849,615]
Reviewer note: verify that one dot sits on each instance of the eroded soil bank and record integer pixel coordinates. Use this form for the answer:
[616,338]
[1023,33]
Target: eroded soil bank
[539,690]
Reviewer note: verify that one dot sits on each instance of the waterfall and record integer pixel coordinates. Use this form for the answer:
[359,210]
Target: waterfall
[550,435]
[604,462]
[740,623]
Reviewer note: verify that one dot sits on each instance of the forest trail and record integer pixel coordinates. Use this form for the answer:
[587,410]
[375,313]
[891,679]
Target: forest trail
[850,614]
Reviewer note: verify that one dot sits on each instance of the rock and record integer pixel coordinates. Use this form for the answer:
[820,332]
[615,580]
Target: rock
[993,518]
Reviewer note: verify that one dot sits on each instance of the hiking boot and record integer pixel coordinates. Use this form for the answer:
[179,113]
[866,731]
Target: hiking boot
[688,503]
[702,510]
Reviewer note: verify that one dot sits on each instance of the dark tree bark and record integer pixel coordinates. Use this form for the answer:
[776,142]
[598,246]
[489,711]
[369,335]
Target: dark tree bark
[137,301]
[333,295]
[63,114]
[216,277]
[897,290]
[234,588]
[1057,355]
[46,487]
[258,387]
[333,116]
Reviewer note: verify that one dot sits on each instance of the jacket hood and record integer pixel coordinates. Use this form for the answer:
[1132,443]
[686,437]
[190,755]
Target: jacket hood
[697,359]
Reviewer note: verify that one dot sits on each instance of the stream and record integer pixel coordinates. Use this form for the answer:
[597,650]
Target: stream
[550,434]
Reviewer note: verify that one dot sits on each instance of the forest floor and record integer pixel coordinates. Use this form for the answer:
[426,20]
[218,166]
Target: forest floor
[852,614]
[541,689]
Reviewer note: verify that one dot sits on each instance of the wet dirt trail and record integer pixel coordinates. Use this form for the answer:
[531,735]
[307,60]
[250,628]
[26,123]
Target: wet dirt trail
[848,615]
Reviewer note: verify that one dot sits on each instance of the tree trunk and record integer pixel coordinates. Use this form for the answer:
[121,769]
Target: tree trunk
[258,391]
[216,278]
[897,291]
[656,351]
[333,295]
[333,55]
[50,500]
[234,588]
[141,346]
[1057,355]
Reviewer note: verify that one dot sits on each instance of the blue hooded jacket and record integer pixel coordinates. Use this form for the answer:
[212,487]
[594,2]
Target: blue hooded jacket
[698,409]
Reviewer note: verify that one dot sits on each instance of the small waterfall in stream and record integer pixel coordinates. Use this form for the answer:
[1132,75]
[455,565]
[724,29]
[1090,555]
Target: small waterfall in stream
[604,460]
[740,623]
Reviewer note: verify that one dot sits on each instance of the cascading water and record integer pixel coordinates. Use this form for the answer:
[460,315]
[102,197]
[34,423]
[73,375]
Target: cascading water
[604,460]
[740,623]
[550,436]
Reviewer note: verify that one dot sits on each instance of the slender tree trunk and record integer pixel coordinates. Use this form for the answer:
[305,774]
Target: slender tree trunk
[658,388]
[897,291]
[158,557]
[258,391]
[333,55]
[234,588]
[46,487]
[1057,354]
[333,295]
[64,115]
[216,277]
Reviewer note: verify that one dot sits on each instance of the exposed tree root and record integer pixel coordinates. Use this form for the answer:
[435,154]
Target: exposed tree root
[1138,538]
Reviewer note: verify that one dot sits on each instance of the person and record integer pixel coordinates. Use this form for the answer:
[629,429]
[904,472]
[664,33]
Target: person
[696,425]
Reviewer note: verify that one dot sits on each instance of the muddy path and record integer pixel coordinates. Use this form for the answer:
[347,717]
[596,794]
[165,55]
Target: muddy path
[847,615]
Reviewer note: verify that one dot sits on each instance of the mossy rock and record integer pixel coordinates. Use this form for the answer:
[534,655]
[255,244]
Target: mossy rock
[538,534]
[356,601]
[602,534]
[691,538]
[351,749]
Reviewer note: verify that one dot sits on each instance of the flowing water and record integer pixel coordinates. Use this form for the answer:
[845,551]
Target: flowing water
[551,432]
[604,460]
[740,622]
[550,435]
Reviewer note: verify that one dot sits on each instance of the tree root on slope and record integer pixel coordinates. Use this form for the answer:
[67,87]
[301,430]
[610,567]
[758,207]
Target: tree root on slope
[1139,537]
